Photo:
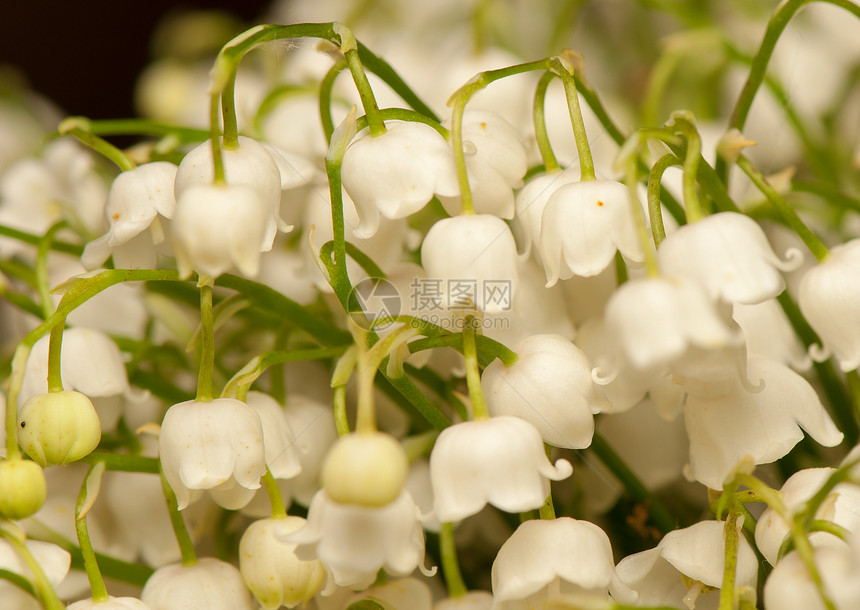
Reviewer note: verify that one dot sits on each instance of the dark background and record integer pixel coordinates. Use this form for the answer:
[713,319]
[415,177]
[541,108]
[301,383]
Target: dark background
[85,55]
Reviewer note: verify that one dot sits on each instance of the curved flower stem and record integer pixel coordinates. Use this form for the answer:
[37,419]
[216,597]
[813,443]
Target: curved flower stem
[807,555]
[55,350]
[473,374]
[458,102]
[547,510]
[655,210]
[45,592]
[215,140]
[275,498]
[339,402]
[228,114]
[207,345]
[550,163]
[79,127]
[450,566]
[42,268]
[564,68]
[183,539]
[632,181]
[85,499]
[730,567]
[812,241]
[349,46]
[326,86]
[683,122]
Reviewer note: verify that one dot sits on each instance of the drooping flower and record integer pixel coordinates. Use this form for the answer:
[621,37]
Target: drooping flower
[210,583]
[729,255]
[395,174]
[557,557]
[532,199]
[499,461]
[828,298]
[215,446]
[112,603]
[549,386]
[583,225]
[791,587]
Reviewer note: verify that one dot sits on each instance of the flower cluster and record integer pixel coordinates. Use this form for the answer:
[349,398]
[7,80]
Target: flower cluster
[441,327]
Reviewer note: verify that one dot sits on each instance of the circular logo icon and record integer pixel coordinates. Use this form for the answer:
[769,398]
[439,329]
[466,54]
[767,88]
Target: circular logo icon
[379,302]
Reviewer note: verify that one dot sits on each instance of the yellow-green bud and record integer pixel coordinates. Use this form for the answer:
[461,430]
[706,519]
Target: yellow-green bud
[22,489]
[368,469]
[58,428]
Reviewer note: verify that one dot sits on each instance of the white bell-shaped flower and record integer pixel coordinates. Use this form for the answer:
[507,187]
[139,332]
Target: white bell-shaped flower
[271,569]
[215,446]
[728,253]
[768,333]
[210,583]
[401,593]
[136,200]
[217,228]
[496,162]
[654,322]
[532,199]
[558,557]
[549,386]
[250,164]
[583,225]
[500,461]
[475,258]
[472,600]
[279,439]
[730,423]
[397,173]
[828,298]
[842,507]
[313,424]
[354,542]
[791,587]
[695,553]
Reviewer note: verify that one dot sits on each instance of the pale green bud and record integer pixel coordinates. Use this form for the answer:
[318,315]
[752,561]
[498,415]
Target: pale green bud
[368,469]
[22,488]
[58,428]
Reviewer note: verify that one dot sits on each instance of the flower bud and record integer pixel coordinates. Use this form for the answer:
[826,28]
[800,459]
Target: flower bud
[271,569]
[58,427]
[22,489]
[365,469]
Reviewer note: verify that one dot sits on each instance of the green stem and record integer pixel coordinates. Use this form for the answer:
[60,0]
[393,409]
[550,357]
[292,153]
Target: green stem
[550,163]
[183,539]
[55,350]
[458,103]
[228,114]
[812,241]
[586,163]
[655,210]
[450,565]
[341,421]
[473,374]
[207,345]
[45,592]
[326,86]
[547,509]
[215,140]
[632,180]
[365,92]
[42,268]
[79,127]
[366,366]
[807,556]
[683,123]
[634,486]
[275,498]
[30,238]
[91,565]
[730,567]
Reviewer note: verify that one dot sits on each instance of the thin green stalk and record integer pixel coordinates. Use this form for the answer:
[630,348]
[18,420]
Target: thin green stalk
[655,210]
[450,566]
[215,140]
[228,114]
[632,181]
[91,565]
[183,539]
[730,566]
[458,103]
[30,238]
[42,268]
[812,241]
[275,498]
[683,123]
[547,509]
[79,127]
[658,513]
[55,350]
[550,163]
[207,345]
[349,46]
[45,592]
[326,86]
[586,163]
[473,374]
[807,556]
[339,402]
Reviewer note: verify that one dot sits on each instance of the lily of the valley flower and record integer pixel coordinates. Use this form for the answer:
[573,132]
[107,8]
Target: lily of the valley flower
[210,583]
[791,587]
[549,386]
[545,559]
[583,225]
[215,446]
[499,461]
[395,174]
[112,603]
